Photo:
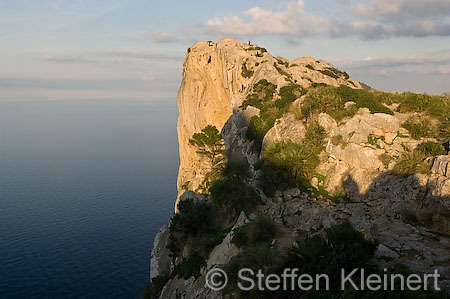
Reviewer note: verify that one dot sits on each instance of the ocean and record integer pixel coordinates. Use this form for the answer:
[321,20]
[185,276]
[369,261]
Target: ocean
[84,187]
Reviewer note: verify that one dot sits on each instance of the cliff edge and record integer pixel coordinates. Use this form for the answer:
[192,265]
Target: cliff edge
[293,163]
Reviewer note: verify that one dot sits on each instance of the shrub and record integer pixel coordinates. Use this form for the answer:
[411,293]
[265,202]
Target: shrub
[261,230]
[263,92]
[257,129]
[234,196]
[192,221]
[310,67]
[419,127]
[190,266]
[288,94]
[315,137]
[444,127]
[344,248]
[231,193]
[255,258]
[246,73]
[430,149]
[282,72]
[411,163]
[329,73]
[286,164]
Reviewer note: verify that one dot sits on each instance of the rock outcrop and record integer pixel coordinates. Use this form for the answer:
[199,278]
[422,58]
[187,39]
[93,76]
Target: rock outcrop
[214,85]
[409,216]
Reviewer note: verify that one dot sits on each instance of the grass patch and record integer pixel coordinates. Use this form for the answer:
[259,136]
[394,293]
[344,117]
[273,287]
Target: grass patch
[431,149]
[411,163]
[331,100]
[419,127]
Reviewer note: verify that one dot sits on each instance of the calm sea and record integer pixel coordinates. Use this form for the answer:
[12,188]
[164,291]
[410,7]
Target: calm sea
[84,187]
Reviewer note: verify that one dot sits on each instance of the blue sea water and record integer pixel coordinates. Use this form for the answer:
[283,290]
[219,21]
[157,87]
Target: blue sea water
[84,187]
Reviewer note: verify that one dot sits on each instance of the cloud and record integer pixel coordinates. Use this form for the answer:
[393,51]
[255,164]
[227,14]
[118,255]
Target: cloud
[389,9]
[394,61]
[147,55]
[410,18]
[163,37]
[148,76]
[292,20]
[374,20]
[73,59]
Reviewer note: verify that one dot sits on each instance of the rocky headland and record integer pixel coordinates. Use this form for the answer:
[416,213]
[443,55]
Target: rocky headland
[306,155]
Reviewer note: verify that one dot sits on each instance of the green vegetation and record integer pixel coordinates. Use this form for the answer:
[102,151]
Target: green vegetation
[410,163]
[283,72]
[270,111]
[286,165]
[262,93]
[285,63]
[386,159]
[334,73]
[315,137]
[210,144]
[419,127]
[310,67]
[339,247]
[232,194]
[256,48]
[331,100]
[431,149]
[288,94]
[193,227]
[192,221]
[262,230]
[261,98]
[190,266]
[246,73]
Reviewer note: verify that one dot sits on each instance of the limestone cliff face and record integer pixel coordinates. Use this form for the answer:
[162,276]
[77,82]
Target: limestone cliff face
[213,86]
[405,214]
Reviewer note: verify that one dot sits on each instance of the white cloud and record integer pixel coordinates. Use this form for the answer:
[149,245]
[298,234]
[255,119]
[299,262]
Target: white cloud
[163,37]
[293,20]
[377,19]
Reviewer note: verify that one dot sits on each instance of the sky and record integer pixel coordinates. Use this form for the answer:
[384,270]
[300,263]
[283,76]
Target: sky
[134,49]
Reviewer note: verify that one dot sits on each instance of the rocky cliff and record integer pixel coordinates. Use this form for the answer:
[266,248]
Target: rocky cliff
[214,85]
[378,161]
